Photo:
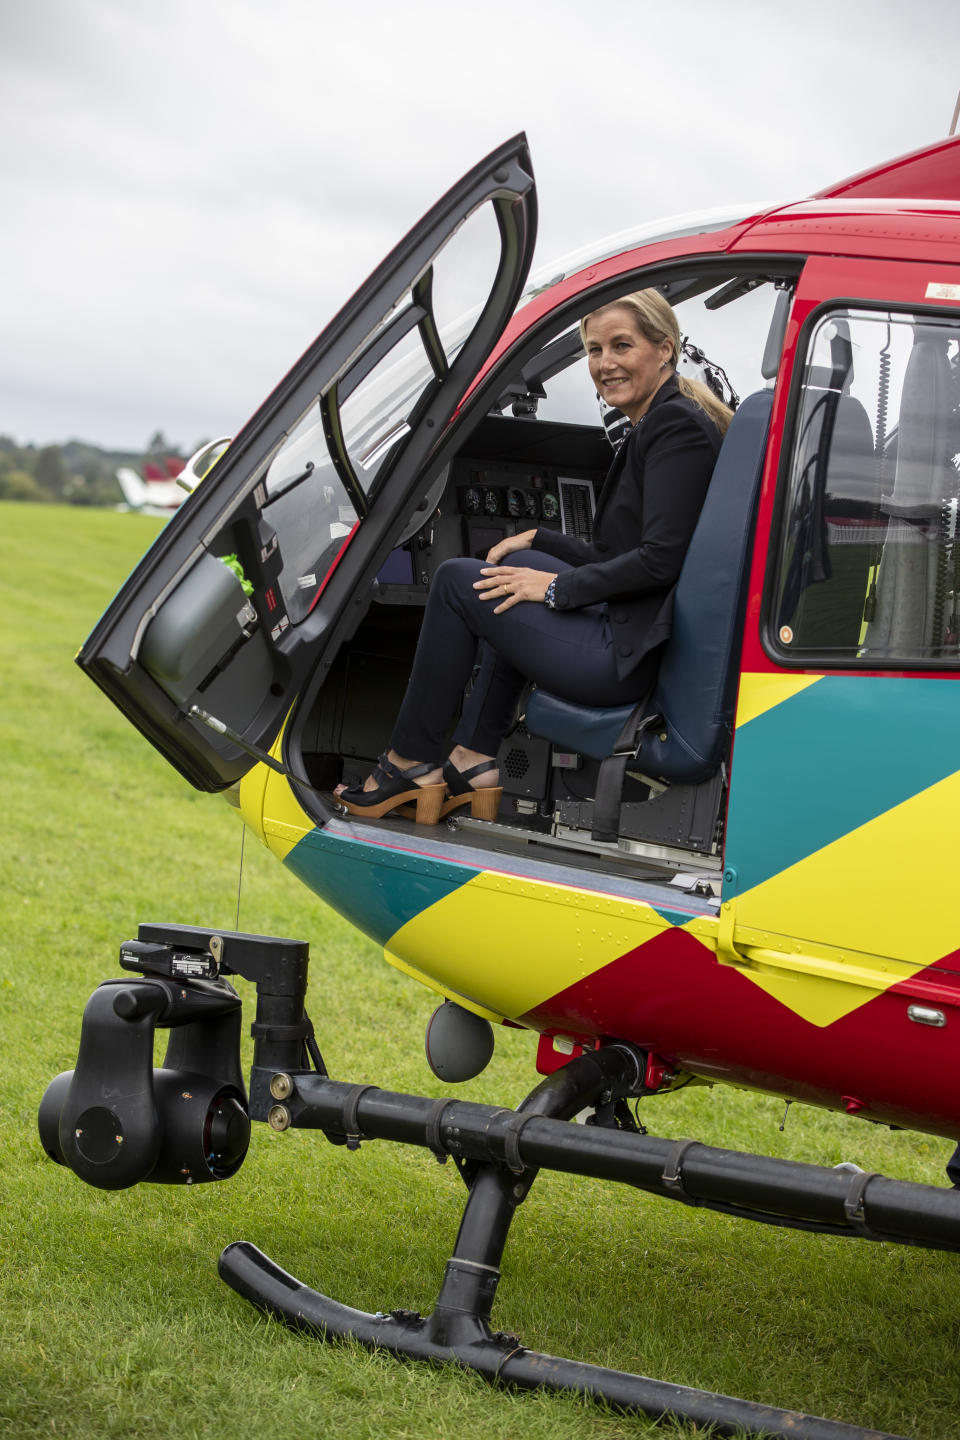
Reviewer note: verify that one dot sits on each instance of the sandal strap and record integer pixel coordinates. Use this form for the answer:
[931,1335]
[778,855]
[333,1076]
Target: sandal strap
[389,780]
[386,770]
[458,781]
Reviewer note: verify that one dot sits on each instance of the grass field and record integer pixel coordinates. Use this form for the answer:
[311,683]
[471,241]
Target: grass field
[112,1319]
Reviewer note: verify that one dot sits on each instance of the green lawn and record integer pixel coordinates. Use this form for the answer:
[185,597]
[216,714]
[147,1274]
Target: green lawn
[112,1319]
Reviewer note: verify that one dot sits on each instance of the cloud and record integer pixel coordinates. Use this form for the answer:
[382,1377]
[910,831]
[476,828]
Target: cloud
[191,191]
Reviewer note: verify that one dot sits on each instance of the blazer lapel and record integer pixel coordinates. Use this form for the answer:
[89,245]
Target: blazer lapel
[669,387]
[612,476]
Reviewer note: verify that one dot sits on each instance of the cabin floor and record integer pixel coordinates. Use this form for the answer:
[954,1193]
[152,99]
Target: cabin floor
[494,846]
[537,847]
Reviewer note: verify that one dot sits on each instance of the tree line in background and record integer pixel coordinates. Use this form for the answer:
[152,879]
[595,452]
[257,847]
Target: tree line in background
[75,473]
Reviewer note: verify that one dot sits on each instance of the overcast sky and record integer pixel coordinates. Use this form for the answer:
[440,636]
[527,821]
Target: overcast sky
[191,188]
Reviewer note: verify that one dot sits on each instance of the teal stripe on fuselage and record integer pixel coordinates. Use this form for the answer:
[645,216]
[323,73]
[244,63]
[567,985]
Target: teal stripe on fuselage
[832,758]
[376,888]
[678,917]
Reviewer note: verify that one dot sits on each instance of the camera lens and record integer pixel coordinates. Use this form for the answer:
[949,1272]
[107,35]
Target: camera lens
[227,1133]
[99,1135]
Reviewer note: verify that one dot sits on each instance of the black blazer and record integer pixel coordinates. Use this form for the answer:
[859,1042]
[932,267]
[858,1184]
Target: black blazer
[645,519]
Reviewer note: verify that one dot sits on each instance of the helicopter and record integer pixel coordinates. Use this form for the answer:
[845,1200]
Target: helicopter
[731,883]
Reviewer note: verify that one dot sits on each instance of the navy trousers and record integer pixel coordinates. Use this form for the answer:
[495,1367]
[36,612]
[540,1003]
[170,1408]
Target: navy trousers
[568,652]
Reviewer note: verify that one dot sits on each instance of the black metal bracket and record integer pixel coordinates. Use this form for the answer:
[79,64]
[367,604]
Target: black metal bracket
[282,1033]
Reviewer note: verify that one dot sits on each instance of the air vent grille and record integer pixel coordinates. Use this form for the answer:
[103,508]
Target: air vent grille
[516,763]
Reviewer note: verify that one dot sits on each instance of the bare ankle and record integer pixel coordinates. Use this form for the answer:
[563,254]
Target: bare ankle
[464,759]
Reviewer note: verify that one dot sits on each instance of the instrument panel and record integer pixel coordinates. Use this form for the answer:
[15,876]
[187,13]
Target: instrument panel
[489,495]
[520,500]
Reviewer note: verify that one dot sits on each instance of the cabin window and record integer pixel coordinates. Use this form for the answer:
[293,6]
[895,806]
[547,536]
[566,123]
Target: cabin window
[732,335]
[869,562]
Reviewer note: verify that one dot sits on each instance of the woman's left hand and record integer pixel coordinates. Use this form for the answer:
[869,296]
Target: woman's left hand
[512,583]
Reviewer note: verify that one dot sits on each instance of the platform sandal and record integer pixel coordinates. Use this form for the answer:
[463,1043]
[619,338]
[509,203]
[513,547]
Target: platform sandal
[484,803]
[396,787]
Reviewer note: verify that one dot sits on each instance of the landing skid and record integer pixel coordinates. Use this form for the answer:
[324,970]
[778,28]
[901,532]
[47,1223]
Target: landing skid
[499,1153]
[458,1332]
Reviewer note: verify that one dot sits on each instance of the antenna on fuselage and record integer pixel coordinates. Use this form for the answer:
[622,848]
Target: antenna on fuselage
[956,116]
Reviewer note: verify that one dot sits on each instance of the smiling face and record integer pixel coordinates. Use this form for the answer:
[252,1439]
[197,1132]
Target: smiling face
[626,367]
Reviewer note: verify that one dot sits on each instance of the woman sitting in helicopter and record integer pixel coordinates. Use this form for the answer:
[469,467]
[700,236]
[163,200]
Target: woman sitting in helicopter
[585,621]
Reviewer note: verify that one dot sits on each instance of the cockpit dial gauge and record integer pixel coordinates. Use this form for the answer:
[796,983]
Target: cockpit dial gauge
[491,502]
[472,500]
[531,505]
[551,507]
[515,502]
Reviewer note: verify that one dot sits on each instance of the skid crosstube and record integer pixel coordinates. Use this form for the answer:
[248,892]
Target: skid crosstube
[789,1193]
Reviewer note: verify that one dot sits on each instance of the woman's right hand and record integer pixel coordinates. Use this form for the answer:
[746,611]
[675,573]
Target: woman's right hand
[523,541]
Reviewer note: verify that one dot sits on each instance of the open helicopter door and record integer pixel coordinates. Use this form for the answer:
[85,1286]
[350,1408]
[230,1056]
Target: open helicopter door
[845,784]
[253,579]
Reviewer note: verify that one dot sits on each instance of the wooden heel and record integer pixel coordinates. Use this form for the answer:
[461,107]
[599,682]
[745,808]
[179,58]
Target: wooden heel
[484,804]
[429,803]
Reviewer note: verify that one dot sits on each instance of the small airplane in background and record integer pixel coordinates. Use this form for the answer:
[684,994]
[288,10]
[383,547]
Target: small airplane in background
[162,488]
[156,491]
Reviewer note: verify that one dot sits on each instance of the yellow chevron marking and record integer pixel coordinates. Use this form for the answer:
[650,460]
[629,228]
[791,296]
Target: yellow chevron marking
[285,822]
[860,890]
[759,693]
[250,795]
[865,890]
[503,942]
[820,983]
[428,980]
[270,808]
[819,989]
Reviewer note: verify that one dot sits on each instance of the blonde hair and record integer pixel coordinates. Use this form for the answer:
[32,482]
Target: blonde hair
[655,319]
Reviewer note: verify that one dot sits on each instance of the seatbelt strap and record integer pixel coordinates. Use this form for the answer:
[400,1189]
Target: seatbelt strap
[613,769]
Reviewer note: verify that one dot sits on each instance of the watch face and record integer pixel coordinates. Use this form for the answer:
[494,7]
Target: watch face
[551,507]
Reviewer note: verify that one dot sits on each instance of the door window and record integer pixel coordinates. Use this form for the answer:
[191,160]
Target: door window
[869,558]
[319,483]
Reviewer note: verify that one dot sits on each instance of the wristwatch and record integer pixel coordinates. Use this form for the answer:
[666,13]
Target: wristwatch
[550,595]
